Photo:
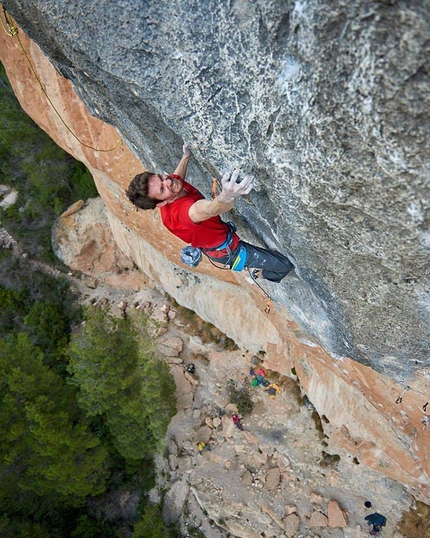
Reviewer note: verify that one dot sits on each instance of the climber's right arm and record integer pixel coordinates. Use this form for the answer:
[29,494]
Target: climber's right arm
[231,189]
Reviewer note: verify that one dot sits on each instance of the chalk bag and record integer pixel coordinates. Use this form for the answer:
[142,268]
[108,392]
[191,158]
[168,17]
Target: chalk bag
[191,256]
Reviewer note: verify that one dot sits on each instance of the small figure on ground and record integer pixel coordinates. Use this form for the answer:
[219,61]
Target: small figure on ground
[190,368]
[272,390]
[202,447]
[195,220]
[377,521]
[237,421]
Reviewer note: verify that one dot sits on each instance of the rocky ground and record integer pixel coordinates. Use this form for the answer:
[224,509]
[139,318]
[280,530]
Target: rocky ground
[277,477]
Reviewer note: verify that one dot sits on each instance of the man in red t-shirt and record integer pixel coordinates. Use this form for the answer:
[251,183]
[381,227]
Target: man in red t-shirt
[195,220]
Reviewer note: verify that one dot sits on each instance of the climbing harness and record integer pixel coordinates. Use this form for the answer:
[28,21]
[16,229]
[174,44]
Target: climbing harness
[13,32]
[236,264]
[225,245]
[400,397]
[192,256]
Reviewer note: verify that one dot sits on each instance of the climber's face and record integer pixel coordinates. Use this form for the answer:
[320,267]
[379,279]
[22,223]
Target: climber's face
[164,188]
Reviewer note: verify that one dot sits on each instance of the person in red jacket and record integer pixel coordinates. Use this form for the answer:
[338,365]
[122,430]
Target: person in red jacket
[196,220]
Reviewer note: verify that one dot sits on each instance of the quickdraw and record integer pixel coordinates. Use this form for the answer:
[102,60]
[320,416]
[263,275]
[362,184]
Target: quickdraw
[400,397]
[269,299]
[214,185]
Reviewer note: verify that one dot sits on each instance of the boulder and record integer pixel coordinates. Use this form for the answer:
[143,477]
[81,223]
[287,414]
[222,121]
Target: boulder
[171,347]
[291,524]
[317,519]
[336,515]
[273,478]
[174,502]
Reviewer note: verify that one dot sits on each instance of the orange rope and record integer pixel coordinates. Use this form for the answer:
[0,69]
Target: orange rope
[13,32]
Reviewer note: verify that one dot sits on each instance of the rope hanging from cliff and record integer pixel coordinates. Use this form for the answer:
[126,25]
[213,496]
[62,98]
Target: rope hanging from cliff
[12,31]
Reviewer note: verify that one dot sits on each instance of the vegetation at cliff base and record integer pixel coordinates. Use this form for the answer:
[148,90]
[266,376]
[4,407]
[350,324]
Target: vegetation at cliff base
[47,179]
[84,402]
[80,422]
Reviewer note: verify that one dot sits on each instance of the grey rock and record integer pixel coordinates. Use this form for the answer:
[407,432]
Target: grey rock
[273,478]
[327,104]
[291,524]
[174,502]
[203,434]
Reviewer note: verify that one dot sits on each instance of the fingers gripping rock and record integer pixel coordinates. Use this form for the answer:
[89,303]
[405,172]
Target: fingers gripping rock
[234,187]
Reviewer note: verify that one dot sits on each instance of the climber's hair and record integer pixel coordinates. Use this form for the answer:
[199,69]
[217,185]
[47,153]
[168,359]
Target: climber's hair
[137,192]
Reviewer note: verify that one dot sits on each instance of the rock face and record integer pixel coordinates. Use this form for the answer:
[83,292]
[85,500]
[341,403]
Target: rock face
[327,106]
[82,239]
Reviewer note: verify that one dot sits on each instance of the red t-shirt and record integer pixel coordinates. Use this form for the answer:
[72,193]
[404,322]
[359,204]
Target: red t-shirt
[209,233]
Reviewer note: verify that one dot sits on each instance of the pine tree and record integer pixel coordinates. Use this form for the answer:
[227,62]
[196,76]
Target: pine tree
[120,380]
[46,448]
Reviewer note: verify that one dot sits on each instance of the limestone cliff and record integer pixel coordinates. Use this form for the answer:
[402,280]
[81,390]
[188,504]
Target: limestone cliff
[326,105]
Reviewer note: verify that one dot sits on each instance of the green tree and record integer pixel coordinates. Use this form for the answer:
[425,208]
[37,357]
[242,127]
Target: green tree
[87,527]
[48,325]
[46,449]
[11,528]
[120,380]
[151,525]
[12,309]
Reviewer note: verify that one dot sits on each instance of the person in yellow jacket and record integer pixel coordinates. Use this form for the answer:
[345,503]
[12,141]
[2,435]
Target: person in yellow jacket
[202,447]
[273,390]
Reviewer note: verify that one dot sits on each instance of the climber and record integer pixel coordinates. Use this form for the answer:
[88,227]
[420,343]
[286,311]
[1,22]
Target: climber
[237,421]
[195,220]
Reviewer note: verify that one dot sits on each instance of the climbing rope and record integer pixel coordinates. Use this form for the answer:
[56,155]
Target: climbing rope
[12,31]
[134,209]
